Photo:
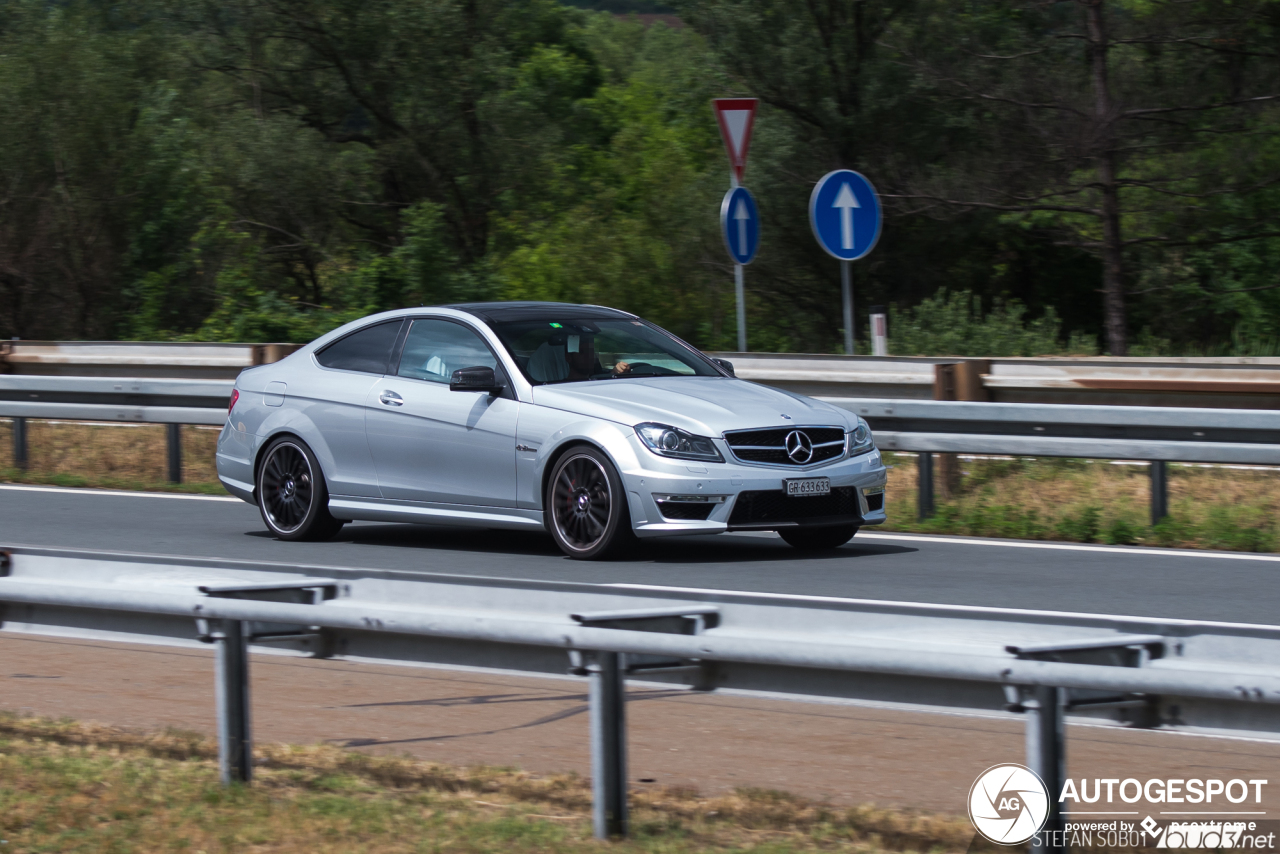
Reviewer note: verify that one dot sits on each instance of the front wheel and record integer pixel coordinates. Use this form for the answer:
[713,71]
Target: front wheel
[587,511]
[826,537]
[292,494]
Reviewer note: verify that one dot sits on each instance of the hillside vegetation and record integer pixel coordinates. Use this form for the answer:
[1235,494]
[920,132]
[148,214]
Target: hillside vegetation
[1077,177]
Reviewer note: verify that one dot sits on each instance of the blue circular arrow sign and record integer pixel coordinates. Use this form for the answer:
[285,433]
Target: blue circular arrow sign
[740,225]
[844,211]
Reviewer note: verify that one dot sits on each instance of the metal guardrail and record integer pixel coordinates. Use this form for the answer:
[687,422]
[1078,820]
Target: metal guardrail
[170,359]
[172,402]
[1157,434]
[156,401]
[1141,672]
[1232,383]
[1116,432]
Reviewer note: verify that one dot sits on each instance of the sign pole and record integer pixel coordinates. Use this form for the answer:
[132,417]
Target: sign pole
[742,308]
[739,288]
[846,290]
[736,117]
[844,213]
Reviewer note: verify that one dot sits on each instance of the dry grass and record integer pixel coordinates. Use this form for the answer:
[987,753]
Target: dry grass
[1095,501]
[1046,499]
[109,454]
[72,787]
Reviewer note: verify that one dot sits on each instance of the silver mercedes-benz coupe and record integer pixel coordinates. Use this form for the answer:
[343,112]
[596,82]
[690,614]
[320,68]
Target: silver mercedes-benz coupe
[585,421]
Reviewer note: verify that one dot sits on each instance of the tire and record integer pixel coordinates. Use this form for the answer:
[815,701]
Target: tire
[291,492]
[586,506]
[812,539]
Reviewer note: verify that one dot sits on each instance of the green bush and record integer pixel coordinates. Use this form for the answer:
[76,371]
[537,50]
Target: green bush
[1122,532]
[952,323]
[1082,527]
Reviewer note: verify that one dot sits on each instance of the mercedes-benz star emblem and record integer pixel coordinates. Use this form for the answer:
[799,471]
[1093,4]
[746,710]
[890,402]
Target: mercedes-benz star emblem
[799,447]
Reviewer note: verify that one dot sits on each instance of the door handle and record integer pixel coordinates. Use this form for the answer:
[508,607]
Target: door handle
[390,398]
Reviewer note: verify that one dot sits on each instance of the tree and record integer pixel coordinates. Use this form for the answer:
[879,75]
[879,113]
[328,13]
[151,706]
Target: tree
[631,221]
[438,90]
[71,154]
[1107,119]
[834,96]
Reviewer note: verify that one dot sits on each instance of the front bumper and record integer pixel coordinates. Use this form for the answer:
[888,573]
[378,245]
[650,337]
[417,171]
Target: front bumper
[860,480]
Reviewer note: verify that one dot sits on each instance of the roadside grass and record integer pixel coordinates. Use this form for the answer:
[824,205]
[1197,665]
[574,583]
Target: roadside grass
[110,456]
[72,787]
[1088,501]
[36,478]
[1094,501]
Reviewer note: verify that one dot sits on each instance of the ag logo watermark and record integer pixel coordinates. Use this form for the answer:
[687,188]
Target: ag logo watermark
[1008,804]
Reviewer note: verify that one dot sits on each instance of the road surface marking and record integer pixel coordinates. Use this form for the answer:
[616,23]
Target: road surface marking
[15,487]
[1070,547]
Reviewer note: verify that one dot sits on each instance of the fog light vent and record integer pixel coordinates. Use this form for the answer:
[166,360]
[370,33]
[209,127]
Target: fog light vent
[875,498]
[686,508]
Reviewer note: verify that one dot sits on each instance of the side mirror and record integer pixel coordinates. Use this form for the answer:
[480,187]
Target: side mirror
[726,364]
[475,379]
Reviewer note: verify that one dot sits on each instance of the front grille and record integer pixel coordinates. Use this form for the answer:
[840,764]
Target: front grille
[770,446]
[875,502]
[686,510]
[760,509]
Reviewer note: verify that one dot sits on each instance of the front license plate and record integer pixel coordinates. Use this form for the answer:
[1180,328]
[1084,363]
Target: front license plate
[809,486]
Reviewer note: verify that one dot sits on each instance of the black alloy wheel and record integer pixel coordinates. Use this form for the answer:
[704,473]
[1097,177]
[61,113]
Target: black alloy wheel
[292,494]
[587,506]
[824,537]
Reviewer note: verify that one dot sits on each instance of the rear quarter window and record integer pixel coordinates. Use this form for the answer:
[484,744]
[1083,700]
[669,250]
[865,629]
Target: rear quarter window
[367,350]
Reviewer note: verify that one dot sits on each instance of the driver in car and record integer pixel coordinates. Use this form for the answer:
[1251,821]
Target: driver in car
[570,359]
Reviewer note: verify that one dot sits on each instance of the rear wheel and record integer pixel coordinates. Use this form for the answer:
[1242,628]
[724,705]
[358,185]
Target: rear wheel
[292,494]
[826,537]
[587,511]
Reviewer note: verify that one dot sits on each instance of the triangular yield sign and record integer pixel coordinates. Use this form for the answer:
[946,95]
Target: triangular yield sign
[736,117]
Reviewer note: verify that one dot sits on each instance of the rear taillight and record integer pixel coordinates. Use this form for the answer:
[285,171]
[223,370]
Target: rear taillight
[235,395]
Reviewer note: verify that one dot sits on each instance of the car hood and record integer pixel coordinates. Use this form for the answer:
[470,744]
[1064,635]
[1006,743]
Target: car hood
[707,406]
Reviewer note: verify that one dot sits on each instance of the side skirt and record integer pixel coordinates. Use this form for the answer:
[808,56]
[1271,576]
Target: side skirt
[457,515]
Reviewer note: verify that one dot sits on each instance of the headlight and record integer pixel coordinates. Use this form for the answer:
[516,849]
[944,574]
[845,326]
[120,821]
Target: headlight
[674,442]
[859,438]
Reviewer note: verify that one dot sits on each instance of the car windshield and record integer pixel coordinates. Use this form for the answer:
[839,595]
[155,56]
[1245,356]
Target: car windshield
[564,350]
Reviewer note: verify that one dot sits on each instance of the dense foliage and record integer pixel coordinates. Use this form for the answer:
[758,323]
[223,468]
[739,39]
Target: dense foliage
[266,169]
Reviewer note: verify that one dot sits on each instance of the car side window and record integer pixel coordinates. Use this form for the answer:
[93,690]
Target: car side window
[435,349]
[367,350]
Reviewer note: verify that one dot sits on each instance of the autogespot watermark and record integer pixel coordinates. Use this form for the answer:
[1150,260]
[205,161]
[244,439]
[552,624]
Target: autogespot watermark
[1011,805]
[1008,804]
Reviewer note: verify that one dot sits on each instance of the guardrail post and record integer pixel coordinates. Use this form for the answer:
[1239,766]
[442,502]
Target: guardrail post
[1046,755]
[235,741]
[608,746]
[20,443]
[924,484]
[607,671]
[1159,491]
[173,434]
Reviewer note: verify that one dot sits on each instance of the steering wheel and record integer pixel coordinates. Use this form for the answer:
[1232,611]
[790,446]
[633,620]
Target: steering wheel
[630,367]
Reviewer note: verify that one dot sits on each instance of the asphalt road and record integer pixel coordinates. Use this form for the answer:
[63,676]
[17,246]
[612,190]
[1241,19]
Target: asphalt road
[943,570]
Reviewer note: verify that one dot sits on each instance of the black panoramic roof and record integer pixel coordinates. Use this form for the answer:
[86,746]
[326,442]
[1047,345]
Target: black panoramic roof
[504,312]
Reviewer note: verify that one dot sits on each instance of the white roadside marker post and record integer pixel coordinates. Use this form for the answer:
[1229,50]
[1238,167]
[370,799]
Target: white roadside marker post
[879,331]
